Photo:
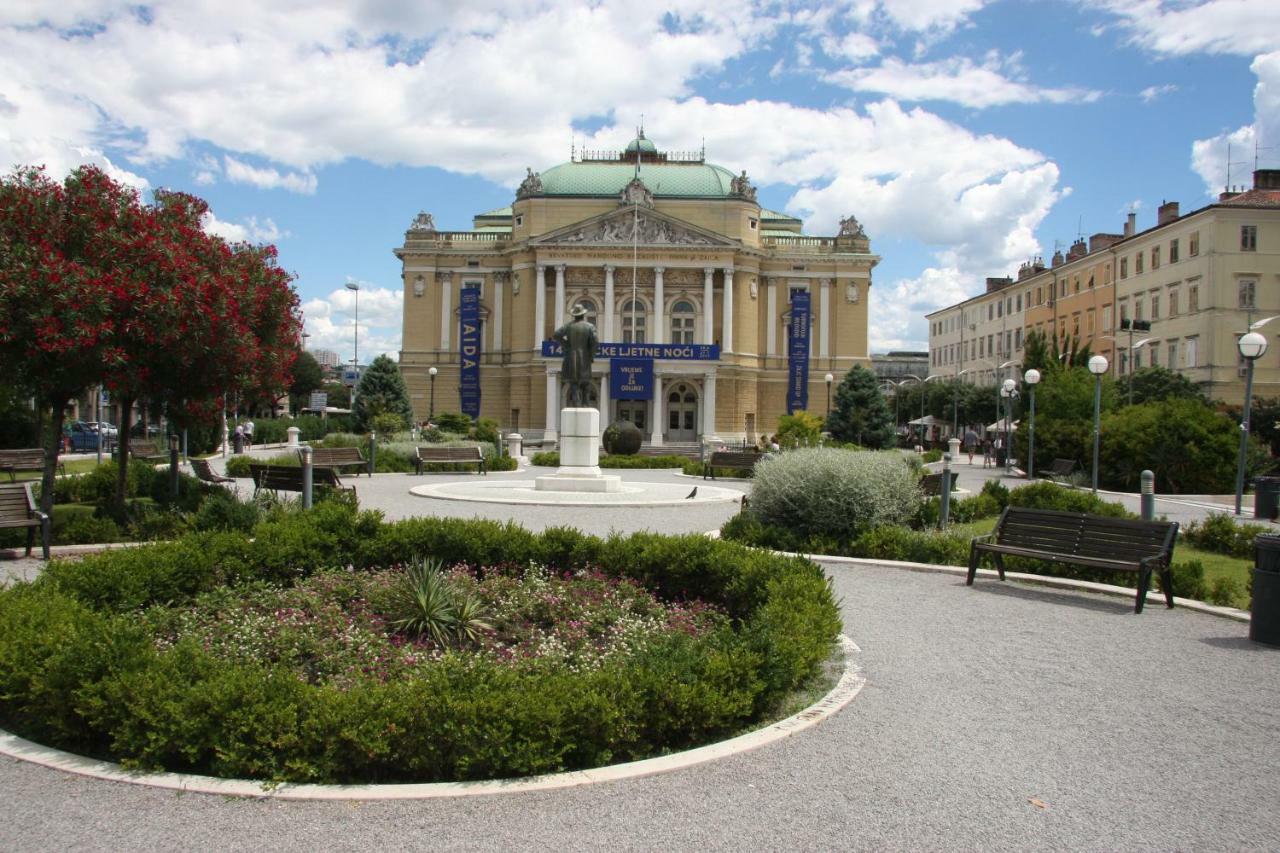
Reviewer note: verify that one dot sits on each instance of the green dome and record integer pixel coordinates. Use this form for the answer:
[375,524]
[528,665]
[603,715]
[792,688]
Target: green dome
[644,146]
[664,180]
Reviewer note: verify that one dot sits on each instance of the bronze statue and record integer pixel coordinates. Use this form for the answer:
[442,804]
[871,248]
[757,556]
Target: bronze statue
[578,337]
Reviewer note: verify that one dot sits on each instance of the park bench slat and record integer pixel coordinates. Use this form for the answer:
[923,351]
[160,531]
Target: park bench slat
[24,459]
[148,450]
[1078,538]
[288,478]
[18,509]
[204,472]
[339,457]
[470,455]
[735,460]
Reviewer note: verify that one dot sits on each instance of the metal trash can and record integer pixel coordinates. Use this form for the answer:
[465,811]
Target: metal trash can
[237,443]
[1264,620]
[1266,497]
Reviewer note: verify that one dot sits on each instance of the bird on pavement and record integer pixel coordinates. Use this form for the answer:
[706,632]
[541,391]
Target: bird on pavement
[692,494]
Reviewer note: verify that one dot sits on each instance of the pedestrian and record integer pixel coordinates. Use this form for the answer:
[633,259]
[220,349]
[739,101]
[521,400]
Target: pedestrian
[970,443]
[248,434]
[986,453]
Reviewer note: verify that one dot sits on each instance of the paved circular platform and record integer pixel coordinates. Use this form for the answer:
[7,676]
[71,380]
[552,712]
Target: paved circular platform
[630,494]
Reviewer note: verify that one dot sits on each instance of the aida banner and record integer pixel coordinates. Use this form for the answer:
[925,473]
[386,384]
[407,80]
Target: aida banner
[631,378]
[469,351]
[798,353]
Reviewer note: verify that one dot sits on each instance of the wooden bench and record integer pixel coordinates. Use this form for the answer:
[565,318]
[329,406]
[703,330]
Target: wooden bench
[288,478]
[931,484]
[148,451]
[18,509]
[204,472]
[25,459]
[339,458]
[458,455]
[734,460]
[1061,468]
[1085,540]
[690,453]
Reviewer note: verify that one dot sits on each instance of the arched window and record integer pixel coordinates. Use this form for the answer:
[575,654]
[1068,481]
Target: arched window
[633,322]
[682,315]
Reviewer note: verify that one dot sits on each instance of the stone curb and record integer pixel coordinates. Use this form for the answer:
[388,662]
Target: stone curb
[846,690]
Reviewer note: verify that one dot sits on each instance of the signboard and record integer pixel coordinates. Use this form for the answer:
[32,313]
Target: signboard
[319,400]
[667,352]
[631,378]
[798,353]
[469,351]
[350,377]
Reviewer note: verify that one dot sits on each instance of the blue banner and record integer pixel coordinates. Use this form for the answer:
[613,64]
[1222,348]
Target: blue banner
[631,378]
[469,351]
[798,353]
[669,352]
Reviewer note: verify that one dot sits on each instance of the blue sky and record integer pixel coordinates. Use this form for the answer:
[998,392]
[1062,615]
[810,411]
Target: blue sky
[967,136]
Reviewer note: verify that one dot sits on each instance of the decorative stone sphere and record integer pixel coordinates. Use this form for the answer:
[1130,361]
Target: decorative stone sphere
[622,438]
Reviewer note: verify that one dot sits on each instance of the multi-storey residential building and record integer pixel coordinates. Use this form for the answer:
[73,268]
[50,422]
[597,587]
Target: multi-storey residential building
[978,338]
[715,315]
[325,357]
[1199,279]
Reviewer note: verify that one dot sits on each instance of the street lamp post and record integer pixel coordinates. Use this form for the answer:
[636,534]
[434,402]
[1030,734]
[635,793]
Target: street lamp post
[1252,346]
[1097,366]
[1032,378]
[1008,390]
[431,412]
[355,343]
[830,378]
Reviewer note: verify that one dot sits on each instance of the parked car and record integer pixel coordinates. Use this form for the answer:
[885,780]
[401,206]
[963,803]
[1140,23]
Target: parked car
[83,436]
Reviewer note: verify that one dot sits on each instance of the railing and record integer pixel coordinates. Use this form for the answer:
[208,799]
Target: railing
[801,244]
[468,236]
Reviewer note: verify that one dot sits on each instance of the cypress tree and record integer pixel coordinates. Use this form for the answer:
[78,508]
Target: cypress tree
[860,413]
[381,391]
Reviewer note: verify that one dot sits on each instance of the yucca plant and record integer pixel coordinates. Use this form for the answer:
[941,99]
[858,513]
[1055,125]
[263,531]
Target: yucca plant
[470,618]
[428,604]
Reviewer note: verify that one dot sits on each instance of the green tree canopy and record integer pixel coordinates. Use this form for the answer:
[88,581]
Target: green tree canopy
[381,392]
[1152,384]
[860,413]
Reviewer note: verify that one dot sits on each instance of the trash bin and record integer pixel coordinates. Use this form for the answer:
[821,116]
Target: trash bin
[237,443]
[1264,620]
[1266,497]
[1001,456]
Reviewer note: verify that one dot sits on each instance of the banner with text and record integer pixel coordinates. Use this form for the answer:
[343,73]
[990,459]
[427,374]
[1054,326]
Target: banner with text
[798,353]
[469,351]
[669,352]
[631,378]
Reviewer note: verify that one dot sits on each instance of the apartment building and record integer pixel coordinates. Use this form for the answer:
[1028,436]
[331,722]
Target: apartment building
[978,338]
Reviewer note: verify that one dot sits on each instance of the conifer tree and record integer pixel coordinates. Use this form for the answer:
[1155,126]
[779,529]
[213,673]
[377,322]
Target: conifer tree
[381,391]
[860,413]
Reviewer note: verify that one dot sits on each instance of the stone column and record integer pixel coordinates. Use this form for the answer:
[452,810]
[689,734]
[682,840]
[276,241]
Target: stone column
[446,309]
[824,317]
[659,410]
[539,307]
[771,318]
[607,333]
[708,404]
[605,417]
[708,335]
[499,282]
[726,343]
[559,314]
[659,308]
[553,403]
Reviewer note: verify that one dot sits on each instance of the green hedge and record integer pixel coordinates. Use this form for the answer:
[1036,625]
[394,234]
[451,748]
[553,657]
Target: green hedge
[79,670]
[551,459]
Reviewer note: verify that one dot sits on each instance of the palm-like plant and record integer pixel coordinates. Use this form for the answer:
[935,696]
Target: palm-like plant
[428,604]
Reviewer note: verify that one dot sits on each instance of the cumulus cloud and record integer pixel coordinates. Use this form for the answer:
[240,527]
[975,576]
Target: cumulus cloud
[269,179]
[899,306]
[1151,93]
[992,83]
[1176,27]
[330,321]
[251,230]
[1209,157]
[930,14]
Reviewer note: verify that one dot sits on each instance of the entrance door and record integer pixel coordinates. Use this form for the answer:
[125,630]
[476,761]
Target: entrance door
[682,414]
[636,411]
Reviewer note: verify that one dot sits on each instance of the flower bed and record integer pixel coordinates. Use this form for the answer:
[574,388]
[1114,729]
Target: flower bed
[285,656]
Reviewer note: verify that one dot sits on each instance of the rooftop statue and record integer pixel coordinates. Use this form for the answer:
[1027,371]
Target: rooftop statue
[850,228]
[741,186]
[531,185]
[423,222]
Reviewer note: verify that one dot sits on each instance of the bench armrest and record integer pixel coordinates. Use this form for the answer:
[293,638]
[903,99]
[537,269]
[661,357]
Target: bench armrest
[986,537]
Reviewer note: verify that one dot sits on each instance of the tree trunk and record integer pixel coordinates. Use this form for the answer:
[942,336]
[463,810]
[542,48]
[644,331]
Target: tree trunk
[51,452]
[122,442]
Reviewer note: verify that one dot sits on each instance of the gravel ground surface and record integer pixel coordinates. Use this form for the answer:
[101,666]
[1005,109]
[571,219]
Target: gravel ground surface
[997,717]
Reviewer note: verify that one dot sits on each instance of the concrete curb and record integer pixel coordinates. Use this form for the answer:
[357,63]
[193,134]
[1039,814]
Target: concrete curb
[846,690]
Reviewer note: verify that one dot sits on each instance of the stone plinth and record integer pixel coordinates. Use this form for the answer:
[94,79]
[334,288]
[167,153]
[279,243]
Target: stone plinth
[579,456]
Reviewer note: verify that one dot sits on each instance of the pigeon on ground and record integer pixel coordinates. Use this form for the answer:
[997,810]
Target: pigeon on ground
[692,494]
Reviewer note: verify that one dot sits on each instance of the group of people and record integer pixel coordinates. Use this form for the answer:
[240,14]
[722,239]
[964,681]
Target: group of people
[990,448]
[243,438]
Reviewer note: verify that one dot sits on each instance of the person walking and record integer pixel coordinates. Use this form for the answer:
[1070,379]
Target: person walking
[248,434]
[970,442]
[986,453]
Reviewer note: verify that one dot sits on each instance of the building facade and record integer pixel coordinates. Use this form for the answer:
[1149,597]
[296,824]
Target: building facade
[1200,280]
[978,338]
[696,291]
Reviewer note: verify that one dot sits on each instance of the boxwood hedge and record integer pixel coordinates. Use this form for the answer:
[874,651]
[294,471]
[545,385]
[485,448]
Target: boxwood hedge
[79,670]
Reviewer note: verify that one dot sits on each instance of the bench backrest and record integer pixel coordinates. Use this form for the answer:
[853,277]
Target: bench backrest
[144,448]
[203,470]
[288,478]
[1085,535]
[17,502]
[931,484]
[336,456]
[23,458]
[734,457]
[1062,467]
[451,454]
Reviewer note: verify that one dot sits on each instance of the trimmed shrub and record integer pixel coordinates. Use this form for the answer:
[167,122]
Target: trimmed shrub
[546,458]
[833,493]
[1219,534]
[913,546]
[1046,495]
[552,459]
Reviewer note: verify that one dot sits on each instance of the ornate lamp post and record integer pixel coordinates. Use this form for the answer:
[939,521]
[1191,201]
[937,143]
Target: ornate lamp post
[355,343]
[1008,390]
[1252,346]
[1032,378]
[431,412]
[1097,366]
[830,378]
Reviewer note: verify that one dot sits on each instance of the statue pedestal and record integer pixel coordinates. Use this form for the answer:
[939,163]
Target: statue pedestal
[579,456]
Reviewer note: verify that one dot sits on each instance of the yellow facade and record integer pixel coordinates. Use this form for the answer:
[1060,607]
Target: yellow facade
[685,241]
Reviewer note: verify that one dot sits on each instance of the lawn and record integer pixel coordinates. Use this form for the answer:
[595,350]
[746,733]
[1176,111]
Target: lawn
[73,466]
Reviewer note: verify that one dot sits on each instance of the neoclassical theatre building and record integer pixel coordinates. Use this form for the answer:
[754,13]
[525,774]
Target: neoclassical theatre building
[715,315]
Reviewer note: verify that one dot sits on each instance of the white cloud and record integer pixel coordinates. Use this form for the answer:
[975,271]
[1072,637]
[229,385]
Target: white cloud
[930,14]
[957,79]
[269,179]
[1150,93]
[251,230]
[205,178]
[852,46]
[1244,27]
[330,321]
[1209,156]
[899,307]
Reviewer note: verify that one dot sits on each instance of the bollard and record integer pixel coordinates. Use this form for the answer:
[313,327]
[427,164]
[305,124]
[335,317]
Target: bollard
[1148,496]
[945,509]
[173,465]
[515,445]
[293,433]
[373,450]
[306,476]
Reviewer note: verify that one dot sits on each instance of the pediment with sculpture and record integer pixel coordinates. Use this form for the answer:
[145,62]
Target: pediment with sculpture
[641,227]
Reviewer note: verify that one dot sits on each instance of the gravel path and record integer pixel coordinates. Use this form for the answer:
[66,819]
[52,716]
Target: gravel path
[998,717]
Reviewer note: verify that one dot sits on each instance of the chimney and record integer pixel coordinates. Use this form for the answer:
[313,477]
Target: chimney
[1167,213]
[994,284]
[1266,179]
[1077,250]
[1058,260]
[1098,242]
[1130,224]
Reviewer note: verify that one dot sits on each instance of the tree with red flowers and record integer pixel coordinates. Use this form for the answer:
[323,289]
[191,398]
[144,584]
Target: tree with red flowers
[58,262]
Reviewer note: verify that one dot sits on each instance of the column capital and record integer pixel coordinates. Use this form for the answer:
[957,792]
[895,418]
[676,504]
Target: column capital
[553,370]
[444,276]
[824,282]
[728,271]
[608,268]
[560,268]
[710,271]
[541,268]
[659,270]
[771,280]
[709,376]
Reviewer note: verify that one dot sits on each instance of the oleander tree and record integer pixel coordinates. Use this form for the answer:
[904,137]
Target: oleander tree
[59,261]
